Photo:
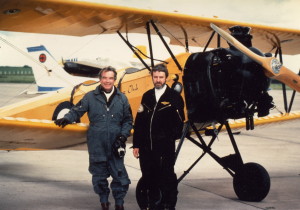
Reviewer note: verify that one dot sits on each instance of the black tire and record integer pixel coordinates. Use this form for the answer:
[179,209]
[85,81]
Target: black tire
[143,197]
[62,109]
[139,191]
[251,182]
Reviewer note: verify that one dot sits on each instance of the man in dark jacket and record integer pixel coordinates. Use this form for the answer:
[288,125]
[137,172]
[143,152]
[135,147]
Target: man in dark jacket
[110,119]
[158,124]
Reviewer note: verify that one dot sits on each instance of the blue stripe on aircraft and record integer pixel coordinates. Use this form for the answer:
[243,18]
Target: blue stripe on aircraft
[37,48]
[46,89]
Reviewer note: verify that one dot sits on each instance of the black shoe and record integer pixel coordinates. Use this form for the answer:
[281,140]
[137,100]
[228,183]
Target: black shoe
[105,206]
[117,207]
[168,207]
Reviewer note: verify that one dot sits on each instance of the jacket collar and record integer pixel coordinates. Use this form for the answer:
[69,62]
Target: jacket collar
[163,95]
[100,95]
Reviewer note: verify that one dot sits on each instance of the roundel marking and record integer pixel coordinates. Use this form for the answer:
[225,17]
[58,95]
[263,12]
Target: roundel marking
[42,58]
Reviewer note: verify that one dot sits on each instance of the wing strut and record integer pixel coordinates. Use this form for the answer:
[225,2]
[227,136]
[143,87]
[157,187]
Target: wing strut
[150,43]
[279,52]
[219,41]
[186,39]
[166,45]
[134,51]
[292,98]
[209,40]
[287,107]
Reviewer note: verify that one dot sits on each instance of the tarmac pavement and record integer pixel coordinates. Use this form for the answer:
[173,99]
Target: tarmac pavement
[59,179]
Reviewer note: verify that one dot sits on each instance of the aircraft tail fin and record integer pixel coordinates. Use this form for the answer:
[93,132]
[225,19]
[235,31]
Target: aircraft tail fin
[48,74]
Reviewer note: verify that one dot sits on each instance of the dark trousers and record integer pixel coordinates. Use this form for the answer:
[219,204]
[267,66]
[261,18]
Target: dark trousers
[159,177]
[115,168]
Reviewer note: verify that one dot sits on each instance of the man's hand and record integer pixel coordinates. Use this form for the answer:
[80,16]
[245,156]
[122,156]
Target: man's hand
[121,138]
[136,152]
[119,146]
[62,122]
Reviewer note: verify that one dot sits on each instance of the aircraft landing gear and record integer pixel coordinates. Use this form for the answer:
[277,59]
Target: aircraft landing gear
[62,109]
[144,199]
[251,181]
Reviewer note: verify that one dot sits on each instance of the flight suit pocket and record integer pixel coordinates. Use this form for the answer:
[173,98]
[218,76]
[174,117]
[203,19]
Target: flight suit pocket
[120,172]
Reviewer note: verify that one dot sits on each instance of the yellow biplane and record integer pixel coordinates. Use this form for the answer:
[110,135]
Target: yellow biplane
[227,83]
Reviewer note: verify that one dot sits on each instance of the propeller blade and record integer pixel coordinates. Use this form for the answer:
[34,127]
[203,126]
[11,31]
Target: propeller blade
[272,67]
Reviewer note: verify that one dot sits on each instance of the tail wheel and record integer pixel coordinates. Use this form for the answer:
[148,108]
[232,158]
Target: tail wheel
[251,182]
[144,198]
[62,109]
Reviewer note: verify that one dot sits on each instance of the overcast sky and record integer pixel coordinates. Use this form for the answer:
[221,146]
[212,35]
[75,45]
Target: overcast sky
[283,13]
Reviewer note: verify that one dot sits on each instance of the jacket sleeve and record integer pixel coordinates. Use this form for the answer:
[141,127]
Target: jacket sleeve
[179,118]
[139,126]
[127,119]
[78,110]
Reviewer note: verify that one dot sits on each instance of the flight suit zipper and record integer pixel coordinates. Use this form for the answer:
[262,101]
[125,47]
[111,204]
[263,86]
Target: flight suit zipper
[107,116]
[151,141]
[164,107]
[179,115]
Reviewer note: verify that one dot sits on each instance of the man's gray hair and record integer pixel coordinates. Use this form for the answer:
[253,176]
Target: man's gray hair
[106,69]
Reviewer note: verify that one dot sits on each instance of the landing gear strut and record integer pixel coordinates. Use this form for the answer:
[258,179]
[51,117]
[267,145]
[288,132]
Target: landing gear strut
[251,181]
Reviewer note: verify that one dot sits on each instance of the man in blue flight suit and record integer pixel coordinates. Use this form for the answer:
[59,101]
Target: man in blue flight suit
[110,119]
[158,124]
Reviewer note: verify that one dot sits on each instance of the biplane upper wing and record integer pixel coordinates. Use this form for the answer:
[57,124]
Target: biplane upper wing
[79,18]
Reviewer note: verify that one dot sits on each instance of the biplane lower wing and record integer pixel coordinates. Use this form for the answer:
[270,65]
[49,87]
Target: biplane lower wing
[29,134]
[20,133]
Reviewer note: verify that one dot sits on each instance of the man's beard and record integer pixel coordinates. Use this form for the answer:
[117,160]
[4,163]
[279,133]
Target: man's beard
[158,85]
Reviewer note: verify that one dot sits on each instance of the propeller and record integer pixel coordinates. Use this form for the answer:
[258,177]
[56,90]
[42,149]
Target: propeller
[272,66]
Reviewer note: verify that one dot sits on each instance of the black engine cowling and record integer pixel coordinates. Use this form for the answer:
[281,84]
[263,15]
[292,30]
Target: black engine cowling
[225,84]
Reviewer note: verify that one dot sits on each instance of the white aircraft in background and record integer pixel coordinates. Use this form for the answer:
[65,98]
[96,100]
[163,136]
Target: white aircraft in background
[90,67]
[51,76]
[48,74]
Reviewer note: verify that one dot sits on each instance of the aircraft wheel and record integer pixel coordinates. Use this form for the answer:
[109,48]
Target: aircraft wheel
[143,197]
[251,182]
[62,109]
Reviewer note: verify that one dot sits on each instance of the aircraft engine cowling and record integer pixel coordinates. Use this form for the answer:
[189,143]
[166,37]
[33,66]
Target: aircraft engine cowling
[225,84]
